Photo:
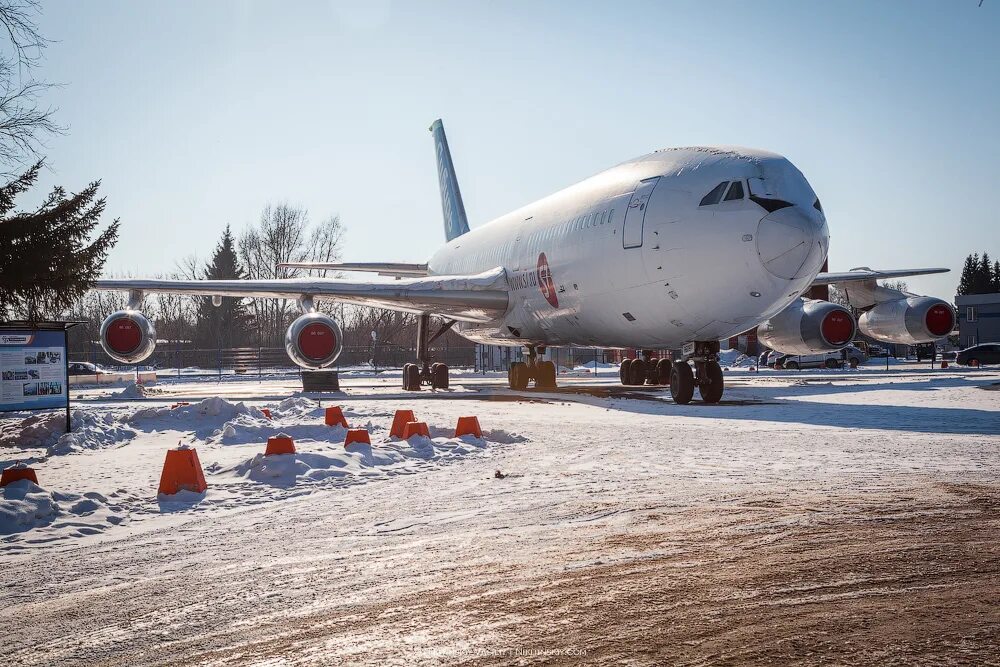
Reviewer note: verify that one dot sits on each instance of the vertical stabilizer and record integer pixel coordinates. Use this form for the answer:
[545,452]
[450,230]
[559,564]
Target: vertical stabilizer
[455,222]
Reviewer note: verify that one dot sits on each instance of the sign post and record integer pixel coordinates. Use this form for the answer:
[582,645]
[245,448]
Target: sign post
[34,366]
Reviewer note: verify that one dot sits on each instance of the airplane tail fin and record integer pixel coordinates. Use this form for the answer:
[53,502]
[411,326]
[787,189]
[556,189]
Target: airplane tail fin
[455,221]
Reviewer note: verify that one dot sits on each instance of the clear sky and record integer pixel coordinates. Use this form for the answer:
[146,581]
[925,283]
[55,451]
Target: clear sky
[197,114]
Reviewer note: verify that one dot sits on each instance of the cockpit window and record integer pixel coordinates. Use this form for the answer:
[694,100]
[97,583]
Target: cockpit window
[715,196]
[735,191]
[817,205]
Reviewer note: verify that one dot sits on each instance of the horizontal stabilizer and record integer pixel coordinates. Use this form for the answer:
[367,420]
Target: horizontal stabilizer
[871,274]
[381,268]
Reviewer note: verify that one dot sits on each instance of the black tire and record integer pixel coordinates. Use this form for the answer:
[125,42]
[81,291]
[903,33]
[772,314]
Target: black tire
[854,362]
[411,377]
[791,365]
[624,373]
[545,376]
[638,372]
[831,363]
[439,376]
[974,363]
[681,382]
[517,377]
[663,371]
[712,385]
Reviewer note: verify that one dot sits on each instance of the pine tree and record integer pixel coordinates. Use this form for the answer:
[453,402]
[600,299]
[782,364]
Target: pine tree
[226,325]
[47,260]
[996,276]
[984,275]
[967,281]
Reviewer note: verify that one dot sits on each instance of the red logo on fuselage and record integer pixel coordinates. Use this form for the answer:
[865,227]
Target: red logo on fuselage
[545,283]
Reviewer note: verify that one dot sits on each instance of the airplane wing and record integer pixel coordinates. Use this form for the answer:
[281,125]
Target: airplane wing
[471,298]
[382,269]
[864,273]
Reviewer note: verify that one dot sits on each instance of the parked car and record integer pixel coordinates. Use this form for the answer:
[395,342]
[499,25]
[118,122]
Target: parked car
[978,355]
[84,368]
[854,357]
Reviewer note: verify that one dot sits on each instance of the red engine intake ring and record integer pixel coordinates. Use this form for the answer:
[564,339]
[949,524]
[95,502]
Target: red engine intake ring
[939,320]
[317,341]
[123,335]
[837,328]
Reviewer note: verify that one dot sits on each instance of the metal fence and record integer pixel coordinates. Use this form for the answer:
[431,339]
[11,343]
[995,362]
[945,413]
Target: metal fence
[259,360]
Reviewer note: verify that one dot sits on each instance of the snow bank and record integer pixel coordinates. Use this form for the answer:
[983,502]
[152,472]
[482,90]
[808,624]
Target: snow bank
[25,505]
[596,365]
[92,430]
[131,390]
[33,431]
[735,359]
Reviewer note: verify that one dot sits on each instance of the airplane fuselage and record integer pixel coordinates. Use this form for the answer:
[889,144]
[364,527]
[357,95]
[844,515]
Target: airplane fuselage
[635,257]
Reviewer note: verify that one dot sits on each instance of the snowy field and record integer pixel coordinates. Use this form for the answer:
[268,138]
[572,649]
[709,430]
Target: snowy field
[818,517]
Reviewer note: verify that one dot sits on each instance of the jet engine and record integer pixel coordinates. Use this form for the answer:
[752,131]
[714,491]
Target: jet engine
[808,326]
[912,320]
[127,336]
[314,341]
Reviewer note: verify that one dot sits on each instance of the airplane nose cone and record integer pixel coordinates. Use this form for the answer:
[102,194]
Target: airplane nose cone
[792,244]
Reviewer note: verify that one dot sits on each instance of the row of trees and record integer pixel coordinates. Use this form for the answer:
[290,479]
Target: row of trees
[979,276]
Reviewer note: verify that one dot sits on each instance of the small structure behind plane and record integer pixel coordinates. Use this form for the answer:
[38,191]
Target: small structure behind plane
[676,249]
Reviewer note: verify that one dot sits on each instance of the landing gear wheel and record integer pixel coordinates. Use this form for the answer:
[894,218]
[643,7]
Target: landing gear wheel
[638,371]
[439,376]
[973,363]
[411,377]
[855,362]
[663,371]
[681,382]
[712,385]
[791,366]
[623,372]
[545,375]
[831,363]
[517,376]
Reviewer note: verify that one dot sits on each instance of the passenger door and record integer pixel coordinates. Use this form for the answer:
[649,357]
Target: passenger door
[635,214]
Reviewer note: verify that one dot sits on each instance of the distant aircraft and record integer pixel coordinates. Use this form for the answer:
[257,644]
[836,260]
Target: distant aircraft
[676,249]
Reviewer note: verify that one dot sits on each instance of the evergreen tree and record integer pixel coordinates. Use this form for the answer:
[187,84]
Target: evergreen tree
[226,325]
[47,260]
[967,281]
[996,276]
[984,282]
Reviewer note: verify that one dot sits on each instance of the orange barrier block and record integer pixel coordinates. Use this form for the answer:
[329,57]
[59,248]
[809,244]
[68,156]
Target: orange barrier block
[944,364]
[402,418]
[16,473]
[468,426]
[179,404]
[359,435]
[267,412]
[415,428]
[182,472]
[335,417]
[279,444]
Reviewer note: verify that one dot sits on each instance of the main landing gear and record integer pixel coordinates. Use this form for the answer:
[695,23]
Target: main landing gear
[424,372]
[706,375]
[522,372]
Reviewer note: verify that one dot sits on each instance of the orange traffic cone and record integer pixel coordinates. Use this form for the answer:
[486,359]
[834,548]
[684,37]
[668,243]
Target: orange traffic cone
[468,426]
[182,472]
[17,472]
[279,444]
[267,412]
[415,428]
[400,421]
[335,417]
[357,435]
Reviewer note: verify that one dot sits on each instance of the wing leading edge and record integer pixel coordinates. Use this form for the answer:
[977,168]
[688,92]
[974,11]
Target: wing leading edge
[381,268]
[471,298]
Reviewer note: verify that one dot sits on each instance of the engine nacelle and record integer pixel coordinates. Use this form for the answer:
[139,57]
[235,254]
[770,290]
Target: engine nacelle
[911,321]
[808,326]
[314,341]
[127,336]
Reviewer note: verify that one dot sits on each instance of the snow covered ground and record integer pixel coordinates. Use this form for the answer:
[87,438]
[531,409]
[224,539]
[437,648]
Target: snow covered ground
[840,516]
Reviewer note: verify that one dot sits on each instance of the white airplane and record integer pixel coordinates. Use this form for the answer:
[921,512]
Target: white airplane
[676,249]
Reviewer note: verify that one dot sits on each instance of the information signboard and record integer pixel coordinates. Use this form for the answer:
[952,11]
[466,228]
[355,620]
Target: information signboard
[33,370]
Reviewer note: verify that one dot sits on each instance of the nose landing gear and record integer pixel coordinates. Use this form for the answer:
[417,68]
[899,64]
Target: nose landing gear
[522,372]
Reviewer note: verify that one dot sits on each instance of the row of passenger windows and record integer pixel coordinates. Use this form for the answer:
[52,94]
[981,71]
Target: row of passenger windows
[734,192]
[498,255]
